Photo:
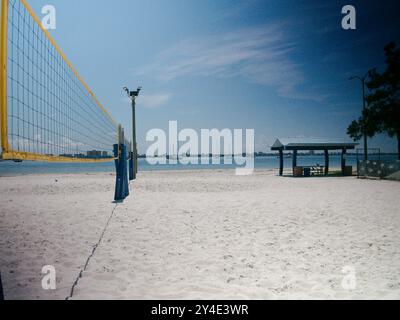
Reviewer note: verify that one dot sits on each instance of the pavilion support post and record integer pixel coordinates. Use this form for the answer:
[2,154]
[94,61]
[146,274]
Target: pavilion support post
[326,162]
[1,290]
[294,159]
[343,158]
[280,162]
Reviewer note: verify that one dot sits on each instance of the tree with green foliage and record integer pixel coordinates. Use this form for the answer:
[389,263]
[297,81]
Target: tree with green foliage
[382,114]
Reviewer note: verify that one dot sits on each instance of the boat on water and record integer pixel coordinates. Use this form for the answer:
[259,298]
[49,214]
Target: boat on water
[287,156]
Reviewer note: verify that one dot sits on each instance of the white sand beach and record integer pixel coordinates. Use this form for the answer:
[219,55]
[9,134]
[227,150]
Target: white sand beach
[201,235]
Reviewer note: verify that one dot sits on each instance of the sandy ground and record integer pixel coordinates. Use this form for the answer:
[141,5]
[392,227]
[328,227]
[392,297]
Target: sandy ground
[201,234]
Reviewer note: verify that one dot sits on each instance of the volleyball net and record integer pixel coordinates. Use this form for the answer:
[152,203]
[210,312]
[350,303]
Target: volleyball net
[47,111]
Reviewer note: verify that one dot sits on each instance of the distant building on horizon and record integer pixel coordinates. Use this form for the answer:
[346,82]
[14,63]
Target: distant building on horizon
[94,154]
[79,155]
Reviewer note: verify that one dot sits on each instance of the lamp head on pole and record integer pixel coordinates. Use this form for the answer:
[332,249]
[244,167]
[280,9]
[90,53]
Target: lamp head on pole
[363,78]
[132,94]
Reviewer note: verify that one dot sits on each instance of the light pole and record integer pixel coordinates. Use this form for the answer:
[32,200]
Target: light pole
[134,167]
[362,79]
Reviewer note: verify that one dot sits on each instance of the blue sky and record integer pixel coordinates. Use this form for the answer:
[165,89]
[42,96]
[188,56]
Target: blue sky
[280,67]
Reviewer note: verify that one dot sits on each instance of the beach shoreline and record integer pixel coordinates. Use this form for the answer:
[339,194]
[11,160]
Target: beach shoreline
[287,172]
[209,235]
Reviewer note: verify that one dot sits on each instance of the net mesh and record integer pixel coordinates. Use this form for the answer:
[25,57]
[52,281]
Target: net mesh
[51,114]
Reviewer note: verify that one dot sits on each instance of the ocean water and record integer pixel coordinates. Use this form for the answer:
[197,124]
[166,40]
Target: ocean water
[8,168]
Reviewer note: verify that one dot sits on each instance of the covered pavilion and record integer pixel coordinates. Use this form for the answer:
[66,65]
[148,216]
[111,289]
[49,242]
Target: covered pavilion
[296,145]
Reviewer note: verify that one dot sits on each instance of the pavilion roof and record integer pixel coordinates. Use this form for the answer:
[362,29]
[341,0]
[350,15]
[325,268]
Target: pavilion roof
[311,144]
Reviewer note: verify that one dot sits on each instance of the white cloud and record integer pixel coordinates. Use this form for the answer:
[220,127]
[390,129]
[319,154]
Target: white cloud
[258,55]
[154,100]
